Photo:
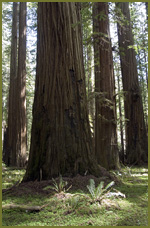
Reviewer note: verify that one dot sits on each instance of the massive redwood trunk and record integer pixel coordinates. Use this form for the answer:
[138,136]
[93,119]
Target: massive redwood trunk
[61,141]
[106,149]
[136,136]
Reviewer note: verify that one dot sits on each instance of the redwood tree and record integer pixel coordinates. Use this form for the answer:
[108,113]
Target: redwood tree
[136,135]
[9,147]
[21,94]
[15,142]
[60,141]
[105,117]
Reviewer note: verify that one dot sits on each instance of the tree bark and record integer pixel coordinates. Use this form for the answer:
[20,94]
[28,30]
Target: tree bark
[146,6]
[122,154]
[9,148]
[136,136]
[21,80]
[106,149]
[15,149]
[61,140]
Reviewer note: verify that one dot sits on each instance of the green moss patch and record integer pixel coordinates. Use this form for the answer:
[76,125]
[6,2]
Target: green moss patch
[71,209]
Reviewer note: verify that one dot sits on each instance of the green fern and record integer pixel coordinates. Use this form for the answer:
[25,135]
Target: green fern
[91,188]
[97,193]
[60,186]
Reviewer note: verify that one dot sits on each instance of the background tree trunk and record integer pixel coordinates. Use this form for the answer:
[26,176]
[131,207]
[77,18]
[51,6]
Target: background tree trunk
[106,149]
[121,123]
[61,140]
[146,5]
[136,136]
[9,148]
[21,80]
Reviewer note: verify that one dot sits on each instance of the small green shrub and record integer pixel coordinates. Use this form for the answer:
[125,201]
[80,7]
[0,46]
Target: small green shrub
[97,193]
[60,186]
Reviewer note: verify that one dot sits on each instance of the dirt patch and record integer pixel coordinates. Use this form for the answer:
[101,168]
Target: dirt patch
[37,187]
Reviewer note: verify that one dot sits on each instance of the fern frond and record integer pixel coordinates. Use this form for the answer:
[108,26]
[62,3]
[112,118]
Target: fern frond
[108,186]
[99,189]
[91,188]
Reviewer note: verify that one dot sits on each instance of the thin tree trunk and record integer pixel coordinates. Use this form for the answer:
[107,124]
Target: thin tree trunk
[90,87]
[105,117]
[142,86]
[9,148]
[146,5]
[145,56]
[141,80]
[146,66]
[136,136]
[121,124]
[21,80]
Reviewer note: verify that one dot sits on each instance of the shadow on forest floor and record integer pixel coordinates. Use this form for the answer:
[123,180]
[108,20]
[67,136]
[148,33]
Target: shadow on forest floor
[129,211]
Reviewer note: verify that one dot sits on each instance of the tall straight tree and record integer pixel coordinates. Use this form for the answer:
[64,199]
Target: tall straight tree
[9,148]
[120,120]
[21,98]
[136,135]
[146,5]
[15,148]
[105,117]
[86,13]
[61,140]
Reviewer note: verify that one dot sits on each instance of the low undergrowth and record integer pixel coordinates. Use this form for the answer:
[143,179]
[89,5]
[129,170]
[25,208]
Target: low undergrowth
[71,209]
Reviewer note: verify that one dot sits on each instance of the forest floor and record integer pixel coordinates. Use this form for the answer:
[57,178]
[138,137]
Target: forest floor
[74,208]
